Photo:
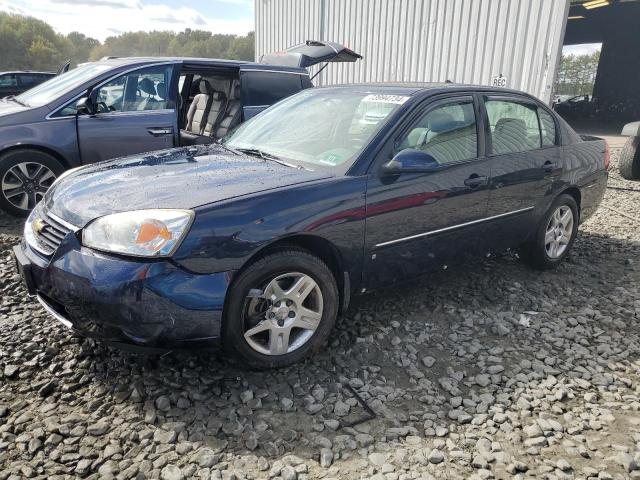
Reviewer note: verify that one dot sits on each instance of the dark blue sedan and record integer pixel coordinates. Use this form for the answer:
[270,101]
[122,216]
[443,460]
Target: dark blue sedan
[261,240]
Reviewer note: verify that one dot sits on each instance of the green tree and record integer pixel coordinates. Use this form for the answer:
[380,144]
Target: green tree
[243,48]
[80,47]
[577,74]
[29,43]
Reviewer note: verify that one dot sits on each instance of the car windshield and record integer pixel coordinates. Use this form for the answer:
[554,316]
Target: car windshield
[317,128]
[52,89]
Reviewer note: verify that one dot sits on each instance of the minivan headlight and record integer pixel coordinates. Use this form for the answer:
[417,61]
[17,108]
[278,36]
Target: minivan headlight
[141,233]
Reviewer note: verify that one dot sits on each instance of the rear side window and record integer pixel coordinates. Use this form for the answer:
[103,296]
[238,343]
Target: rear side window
[548,128]
[28,79]
[266,88]
[514,126]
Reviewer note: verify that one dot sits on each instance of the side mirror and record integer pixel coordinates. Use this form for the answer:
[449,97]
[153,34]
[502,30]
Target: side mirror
[410,160]
[85,104]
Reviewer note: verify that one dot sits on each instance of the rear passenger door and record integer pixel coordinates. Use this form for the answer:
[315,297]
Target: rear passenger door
[136,114]
[260,89]
[524,161]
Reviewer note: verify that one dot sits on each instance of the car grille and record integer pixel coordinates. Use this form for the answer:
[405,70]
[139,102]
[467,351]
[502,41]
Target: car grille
[48,232]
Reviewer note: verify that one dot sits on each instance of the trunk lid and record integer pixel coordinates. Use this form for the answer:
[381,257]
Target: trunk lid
[311,53]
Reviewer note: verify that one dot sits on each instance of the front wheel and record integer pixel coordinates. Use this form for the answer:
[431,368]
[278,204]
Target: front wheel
[25,176]
[555,235]
[280,309]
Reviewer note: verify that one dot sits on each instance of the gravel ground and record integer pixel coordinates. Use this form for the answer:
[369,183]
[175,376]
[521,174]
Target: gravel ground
[489,371]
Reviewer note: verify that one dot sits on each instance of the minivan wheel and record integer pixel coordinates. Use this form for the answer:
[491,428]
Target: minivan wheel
[25,176]
[280,309]
[555,235]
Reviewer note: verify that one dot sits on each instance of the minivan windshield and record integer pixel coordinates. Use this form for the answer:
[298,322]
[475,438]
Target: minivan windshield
[322,129]
[52,89]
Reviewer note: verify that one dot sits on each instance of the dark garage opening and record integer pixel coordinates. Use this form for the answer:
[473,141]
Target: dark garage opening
[616,91]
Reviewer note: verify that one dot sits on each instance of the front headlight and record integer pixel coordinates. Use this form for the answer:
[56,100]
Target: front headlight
[142,233]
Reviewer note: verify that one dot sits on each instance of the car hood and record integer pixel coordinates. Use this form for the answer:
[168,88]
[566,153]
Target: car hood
[184,178]
[7,107]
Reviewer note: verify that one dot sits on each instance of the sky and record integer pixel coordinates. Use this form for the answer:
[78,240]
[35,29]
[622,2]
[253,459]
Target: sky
[582,49]
[102,18]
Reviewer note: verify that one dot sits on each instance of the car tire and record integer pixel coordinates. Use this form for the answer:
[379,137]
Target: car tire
[39,170]
[629,163]
[247,310]
[540,253]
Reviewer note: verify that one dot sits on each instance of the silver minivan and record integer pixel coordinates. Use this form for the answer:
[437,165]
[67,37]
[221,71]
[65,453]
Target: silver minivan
[123,106]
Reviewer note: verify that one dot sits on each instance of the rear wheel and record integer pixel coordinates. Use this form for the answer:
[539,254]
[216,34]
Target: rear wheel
[629,163]
[25,176]
[555,235]
[280,309]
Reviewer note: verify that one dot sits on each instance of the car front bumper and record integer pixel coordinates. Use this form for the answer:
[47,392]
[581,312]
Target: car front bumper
[154,304]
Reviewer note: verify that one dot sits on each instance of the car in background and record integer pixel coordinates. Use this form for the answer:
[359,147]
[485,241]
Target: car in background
[122,106]
[260,241]
[14,83]
[578,106]
[558,98]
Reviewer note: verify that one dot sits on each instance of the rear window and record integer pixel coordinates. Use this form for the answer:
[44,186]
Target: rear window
[267,88]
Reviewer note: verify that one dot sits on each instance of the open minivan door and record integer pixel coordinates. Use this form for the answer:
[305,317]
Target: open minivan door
[309,53]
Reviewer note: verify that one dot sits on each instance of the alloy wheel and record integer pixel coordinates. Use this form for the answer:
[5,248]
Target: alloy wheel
[25,184]
[285,316]
[559,231]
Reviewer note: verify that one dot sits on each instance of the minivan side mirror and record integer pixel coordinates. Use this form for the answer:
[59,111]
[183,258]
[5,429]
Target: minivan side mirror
[410,160]
[86,105]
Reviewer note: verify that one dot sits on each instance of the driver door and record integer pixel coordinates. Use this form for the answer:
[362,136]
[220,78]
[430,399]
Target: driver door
[135,114]
[419,222]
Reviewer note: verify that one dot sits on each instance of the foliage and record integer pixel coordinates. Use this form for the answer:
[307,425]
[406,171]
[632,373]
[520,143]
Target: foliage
[29,43]
[577,74]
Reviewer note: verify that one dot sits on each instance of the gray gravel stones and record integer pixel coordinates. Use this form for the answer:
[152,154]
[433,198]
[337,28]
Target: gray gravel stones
[489,371]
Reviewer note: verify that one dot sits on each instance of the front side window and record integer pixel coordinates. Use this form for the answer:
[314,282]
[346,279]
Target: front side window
[513,125]
[318,129]
[447,132]
[144,89]
[8,80]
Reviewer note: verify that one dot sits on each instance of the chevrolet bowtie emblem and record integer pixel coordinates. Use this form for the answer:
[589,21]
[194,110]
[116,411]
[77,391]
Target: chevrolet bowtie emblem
[38,225]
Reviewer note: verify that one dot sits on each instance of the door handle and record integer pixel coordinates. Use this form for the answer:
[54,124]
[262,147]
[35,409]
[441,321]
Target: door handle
[158,132]
[475,181]
[549,166]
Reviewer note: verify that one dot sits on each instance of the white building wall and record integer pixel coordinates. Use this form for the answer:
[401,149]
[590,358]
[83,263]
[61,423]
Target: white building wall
[465,41]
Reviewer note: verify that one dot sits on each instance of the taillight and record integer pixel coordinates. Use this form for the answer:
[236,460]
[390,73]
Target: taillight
[607,156]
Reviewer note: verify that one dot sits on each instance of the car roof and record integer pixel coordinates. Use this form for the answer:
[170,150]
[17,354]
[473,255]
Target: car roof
[196,61]
[27,71]
[415,88]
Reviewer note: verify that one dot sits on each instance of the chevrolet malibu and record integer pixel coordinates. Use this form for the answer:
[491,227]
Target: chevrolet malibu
[260,241]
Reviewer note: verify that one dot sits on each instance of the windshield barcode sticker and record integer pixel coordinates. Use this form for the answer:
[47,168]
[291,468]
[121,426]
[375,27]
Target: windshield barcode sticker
[397,99]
